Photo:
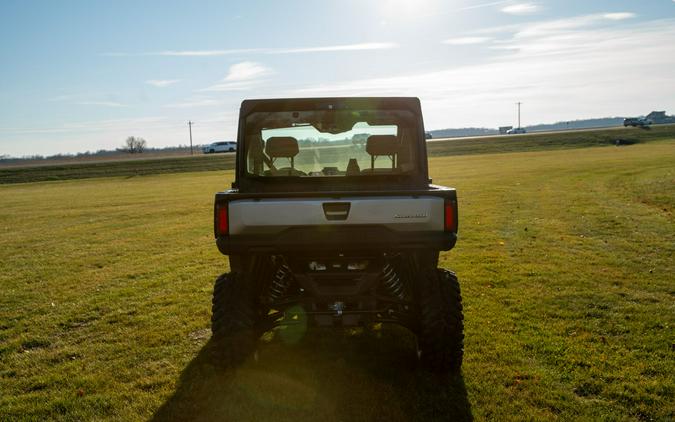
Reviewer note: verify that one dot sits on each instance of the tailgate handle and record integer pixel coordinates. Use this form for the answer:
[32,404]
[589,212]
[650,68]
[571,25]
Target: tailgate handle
[336,210]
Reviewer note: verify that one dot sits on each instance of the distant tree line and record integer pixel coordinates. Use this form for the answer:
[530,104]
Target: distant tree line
[8,159]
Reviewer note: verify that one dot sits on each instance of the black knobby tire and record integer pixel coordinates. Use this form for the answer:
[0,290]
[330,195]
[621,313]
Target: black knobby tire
[441,332]
[234,320]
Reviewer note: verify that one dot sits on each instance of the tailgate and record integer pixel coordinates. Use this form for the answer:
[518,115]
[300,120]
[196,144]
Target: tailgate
[308,222]
[397,213]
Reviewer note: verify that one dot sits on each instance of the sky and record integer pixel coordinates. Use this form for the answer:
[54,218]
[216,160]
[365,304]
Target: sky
[83,75]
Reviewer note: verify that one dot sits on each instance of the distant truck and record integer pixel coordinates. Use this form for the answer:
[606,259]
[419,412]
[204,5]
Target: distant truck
[516,131]
[636,122]
[220,146]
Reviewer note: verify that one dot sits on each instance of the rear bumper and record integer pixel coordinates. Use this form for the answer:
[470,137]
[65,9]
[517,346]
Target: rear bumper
[336,238]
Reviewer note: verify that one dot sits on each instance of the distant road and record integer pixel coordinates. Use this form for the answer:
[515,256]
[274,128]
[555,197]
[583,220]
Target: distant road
[537,141]
[177,159]
[542,132]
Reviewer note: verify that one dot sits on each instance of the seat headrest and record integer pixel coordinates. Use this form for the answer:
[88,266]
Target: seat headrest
[382,145]
[281,147]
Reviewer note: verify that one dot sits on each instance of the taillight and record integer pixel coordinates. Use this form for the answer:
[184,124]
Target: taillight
[450,217]
[222,221]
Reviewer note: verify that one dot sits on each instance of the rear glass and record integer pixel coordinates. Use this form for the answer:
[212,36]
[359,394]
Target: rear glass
[330,143]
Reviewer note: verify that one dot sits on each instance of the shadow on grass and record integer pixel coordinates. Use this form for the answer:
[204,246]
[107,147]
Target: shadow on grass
[327,375]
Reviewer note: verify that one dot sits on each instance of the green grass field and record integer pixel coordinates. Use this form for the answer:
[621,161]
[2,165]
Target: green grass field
[126,168]
[566,260]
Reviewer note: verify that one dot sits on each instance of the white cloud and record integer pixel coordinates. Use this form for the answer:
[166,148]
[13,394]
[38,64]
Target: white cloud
[619,16]
[186,53]
[102,103]
[561,70]
[482,5]
[215,53]
[245,71]
[548,27]
[333,48]
[466,40]
[161,83]
[521,9]
[242,76]
[231,86]
[203,53]
[435,13]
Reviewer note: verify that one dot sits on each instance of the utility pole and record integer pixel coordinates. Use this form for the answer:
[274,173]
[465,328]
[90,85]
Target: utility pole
[190,123]
[519,103]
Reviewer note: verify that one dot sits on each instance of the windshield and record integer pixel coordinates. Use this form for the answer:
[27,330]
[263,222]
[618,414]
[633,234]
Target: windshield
[330,143]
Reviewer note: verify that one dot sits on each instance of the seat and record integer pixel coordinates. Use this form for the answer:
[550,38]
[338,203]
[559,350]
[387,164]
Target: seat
[379,145]
[283,147]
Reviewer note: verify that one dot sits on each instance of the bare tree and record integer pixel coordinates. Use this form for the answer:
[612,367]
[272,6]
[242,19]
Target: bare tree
[134,145]
[140,144]
[130,145]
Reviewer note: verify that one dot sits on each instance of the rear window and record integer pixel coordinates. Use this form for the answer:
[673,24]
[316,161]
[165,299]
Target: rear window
[330,143]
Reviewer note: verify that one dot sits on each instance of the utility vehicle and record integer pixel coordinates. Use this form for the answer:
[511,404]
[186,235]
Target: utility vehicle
[332,220]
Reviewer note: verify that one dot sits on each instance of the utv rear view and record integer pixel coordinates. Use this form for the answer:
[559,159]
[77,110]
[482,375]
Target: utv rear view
[332,219]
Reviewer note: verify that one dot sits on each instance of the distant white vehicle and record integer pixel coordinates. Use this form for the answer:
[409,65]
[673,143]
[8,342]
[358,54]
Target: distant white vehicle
[220,146]
[515,131]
